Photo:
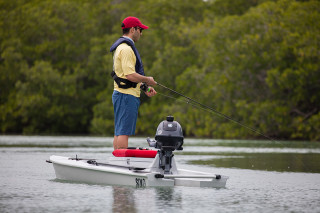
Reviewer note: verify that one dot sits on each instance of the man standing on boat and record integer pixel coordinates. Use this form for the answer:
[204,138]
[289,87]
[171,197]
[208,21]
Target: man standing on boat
[128,74]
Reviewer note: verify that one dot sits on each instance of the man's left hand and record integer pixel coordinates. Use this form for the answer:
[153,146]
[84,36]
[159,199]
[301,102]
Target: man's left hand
[151,92]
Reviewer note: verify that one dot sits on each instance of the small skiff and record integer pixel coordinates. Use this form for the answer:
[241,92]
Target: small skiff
[139,167]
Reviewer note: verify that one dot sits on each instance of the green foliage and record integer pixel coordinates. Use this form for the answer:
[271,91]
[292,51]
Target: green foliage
[256,61]
[229,7]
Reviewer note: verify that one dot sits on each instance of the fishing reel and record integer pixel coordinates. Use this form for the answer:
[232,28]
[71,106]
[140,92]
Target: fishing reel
[144,87]
[169,137]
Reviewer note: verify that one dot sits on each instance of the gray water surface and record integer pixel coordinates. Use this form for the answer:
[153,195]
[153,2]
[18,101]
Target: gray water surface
[263,177]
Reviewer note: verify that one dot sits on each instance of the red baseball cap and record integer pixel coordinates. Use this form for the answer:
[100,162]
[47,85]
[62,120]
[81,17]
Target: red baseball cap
[132,22]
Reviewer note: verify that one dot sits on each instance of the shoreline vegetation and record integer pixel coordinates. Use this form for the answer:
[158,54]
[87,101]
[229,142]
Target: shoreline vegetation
[256,61]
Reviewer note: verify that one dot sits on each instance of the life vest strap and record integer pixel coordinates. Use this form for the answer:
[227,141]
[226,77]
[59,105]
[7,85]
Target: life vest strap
[122,82]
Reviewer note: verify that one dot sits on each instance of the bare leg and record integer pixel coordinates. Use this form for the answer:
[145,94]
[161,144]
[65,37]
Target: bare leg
[115,142]
[120,142]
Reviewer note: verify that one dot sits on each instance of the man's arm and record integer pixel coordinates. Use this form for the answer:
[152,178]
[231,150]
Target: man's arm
[137,78]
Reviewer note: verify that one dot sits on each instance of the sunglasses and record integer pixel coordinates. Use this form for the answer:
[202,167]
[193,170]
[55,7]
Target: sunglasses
[139,29]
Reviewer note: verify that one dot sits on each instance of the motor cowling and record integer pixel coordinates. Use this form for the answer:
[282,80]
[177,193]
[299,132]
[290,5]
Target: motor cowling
[169,135]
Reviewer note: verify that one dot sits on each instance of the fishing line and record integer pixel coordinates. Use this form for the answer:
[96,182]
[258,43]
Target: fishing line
[185,101]
[211,110]
[208,108]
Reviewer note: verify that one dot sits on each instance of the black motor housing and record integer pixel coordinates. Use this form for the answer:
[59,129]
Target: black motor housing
[169,135]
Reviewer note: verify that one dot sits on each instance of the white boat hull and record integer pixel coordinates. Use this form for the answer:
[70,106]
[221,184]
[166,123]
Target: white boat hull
[125,171]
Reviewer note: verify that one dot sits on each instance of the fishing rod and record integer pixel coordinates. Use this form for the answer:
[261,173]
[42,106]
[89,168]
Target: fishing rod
[203,106]
[197,104]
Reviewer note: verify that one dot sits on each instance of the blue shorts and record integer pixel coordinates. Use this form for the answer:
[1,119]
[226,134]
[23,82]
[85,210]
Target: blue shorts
[125,113]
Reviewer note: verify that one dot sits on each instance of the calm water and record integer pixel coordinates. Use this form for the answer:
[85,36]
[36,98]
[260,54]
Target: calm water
[264,177]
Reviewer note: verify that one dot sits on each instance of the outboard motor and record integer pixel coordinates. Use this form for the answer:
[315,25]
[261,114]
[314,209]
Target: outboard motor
[169,137]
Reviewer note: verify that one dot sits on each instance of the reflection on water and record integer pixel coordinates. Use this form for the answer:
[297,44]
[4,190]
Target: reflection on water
[164,193]
[291,162]
[167,197]
[123,199]
[126,199]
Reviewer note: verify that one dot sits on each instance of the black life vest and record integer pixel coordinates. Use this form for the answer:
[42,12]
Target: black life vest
[122,82]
